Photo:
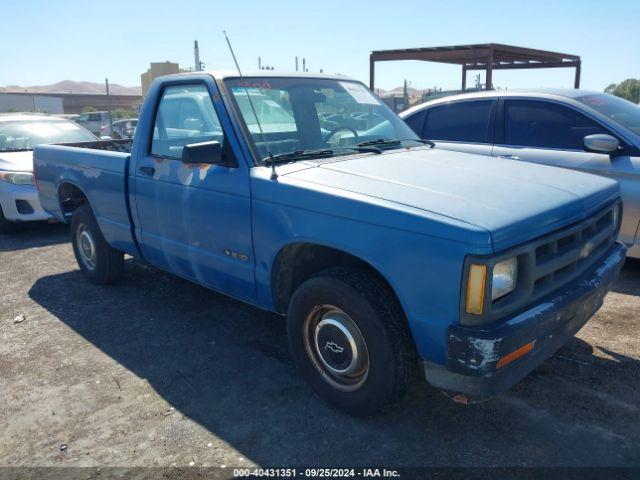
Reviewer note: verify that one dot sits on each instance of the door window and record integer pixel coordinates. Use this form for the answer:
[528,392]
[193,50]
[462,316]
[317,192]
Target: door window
[459,122]
[532,123]
[416,121]
[185,115]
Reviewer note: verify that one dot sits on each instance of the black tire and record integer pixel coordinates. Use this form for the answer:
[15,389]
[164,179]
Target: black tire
[107,264]
[379,318]
[5,225]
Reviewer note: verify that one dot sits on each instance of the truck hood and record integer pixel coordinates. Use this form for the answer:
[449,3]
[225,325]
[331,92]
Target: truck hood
[514,201]
[17,161]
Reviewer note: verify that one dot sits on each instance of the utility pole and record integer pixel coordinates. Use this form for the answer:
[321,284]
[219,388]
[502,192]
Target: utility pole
[106,82]
[196,55]
[259,63]
[304,64]
[296,64]
[405,94]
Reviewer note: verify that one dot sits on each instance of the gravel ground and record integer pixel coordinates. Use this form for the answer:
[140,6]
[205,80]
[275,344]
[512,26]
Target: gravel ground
[156,371]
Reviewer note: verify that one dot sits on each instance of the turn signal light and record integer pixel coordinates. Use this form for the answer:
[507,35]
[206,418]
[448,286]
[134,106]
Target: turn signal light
[475,288]
[523,350]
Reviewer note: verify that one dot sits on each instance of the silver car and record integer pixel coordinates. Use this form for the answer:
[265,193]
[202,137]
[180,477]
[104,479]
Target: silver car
[93,121]
[581,130]
[19,133]
[122,129]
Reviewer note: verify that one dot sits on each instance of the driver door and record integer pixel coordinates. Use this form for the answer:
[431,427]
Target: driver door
[194,218]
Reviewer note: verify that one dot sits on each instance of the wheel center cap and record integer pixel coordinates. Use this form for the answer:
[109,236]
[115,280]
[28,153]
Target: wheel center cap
[336,346]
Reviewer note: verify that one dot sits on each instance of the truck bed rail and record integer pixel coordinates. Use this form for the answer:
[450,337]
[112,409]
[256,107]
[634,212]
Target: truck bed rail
[123,145]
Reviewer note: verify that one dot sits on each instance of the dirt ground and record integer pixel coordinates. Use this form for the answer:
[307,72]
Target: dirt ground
[156,371]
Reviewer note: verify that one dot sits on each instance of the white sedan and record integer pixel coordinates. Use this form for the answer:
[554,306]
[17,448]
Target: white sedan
[18,135]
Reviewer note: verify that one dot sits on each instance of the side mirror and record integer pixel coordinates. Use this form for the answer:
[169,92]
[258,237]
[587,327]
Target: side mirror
[601,143]
[204,152]
[105,137]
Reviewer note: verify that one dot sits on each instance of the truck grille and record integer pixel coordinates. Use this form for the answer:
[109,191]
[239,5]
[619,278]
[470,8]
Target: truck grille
[567,253]
[548,264]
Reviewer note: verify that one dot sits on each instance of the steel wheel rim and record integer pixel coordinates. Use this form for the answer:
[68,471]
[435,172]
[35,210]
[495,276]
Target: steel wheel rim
[86,247]
[336,347]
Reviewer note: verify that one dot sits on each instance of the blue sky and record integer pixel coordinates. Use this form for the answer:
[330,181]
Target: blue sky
[47,41]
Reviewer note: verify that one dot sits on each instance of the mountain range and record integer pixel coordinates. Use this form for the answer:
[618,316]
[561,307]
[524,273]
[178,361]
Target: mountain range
[70,86]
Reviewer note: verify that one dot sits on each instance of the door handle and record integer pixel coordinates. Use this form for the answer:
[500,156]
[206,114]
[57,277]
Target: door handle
[509,157]
[147,171]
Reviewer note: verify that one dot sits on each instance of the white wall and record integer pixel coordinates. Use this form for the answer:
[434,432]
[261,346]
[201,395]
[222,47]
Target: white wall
[11,102]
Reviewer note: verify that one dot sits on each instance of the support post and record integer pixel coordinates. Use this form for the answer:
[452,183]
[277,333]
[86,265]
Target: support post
[576,83]
[489,76]
[106,82]
[372,72]
[464,77]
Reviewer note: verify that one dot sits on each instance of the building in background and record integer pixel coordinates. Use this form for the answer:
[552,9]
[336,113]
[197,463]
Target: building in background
[66,102]
[29,102]
[157,69]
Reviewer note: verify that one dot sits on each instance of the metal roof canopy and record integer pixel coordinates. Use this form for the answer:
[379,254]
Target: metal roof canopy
[484,56]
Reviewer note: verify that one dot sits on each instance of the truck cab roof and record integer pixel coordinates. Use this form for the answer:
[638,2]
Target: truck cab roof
[222,74]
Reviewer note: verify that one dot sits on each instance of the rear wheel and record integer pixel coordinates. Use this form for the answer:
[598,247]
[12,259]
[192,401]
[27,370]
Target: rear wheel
[349,339]
[101,263]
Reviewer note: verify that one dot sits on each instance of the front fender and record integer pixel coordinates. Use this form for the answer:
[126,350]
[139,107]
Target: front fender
[425,272]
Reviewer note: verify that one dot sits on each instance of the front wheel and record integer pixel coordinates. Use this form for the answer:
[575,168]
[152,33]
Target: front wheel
[349,338]
[101,263]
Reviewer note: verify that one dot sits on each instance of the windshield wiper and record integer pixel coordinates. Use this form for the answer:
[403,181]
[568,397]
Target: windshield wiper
[395,142]
[310,154]
[297,155]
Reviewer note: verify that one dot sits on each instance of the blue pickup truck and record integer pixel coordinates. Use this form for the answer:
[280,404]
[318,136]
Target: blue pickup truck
[304,195]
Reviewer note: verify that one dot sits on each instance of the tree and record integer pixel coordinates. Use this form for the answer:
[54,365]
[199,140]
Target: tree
[610,88]
[628,89]
[124,113]
[89,109]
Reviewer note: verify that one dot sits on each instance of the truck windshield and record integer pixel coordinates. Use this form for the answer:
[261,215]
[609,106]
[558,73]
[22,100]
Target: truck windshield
[18,135]
[617,109]
[302,114]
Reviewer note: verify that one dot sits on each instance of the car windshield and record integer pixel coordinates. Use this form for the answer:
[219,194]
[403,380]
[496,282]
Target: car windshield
[25,134]
[306,114]
[621,111]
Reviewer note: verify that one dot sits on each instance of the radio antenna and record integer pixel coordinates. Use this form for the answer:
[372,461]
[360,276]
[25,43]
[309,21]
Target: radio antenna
[272,161]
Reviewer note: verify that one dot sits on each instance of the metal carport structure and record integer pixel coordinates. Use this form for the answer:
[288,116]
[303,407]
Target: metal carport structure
[484,56]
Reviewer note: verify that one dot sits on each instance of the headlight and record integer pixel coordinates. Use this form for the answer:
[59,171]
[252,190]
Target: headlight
[17,178]
[505,274]
[615,217]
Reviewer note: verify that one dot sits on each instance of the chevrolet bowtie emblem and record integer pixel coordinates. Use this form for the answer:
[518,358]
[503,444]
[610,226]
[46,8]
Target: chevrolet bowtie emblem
[586,250]
[334,347]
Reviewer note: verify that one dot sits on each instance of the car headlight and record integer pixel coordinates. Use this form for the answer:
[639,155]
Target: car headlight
[615,216]
[17,178]
[504,279]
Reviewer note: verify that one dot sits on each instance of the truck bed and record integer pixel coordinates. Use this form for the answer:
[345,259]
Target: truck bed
[95,170]
[122,146]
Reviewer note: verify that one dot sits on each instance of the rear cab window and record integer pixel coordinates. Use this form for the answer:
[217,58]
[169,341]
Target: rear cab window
[465,121]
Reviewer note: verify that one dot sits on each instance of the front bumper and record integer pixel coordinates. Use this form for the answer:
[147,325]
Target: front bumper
[473,352]
[20,203]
